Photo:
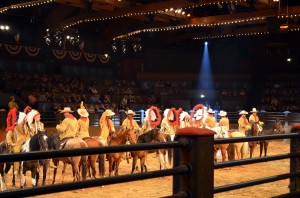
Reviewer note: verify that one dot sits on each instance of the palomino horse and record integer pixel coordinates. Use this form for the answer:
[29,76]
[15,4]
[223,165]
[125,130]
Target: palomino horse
[119,138]
[239,149]
[221,132]
[148,137]
[270,129]
[37,142]
[72,143]
[254,131]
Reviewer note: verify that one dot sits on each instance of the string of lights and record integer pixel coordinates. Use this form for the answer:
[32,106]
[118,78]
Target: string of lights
[26,5]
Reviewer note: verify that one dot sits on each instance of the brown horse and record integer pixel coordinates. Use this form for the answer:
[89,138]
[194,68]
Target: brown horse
[72,143]
[239,149]
[164,155]
[254,131]
[92,159]
[101,157]
[270,129]
[119,138]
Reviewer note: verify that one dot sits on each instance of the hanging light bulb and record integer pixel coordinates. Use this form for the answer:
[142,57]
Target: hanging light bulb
[114,47]
[135,47]
[124,48]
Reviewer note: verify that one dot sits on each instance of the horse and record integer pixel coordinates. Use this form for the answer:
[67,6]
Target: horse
[92,159]
[241,149]
[221,132]
[75,161]
[119,138]
[254,131]
[164,155]
[37,142]
[5,167]
[270,129]
[101,157]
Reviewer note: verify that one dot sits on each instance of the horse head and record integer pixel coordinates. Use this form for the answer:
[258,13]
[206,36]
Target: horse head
[132,136]
[42,140]
[278,126]
[53,142]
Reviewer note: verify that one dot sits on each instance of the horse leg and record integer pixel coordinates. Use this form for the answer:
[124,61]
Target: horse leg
[261,146]
[161,159]
[142,162]
[93,159]
[223,152]
[45,168]
[134,160]
[110,162]
[266,147]
[117,167]
[63,173]
[101,161]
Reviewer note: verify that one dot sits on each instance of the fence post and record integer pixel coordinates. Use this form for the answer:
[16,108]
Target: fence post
[199,156]
[295,161]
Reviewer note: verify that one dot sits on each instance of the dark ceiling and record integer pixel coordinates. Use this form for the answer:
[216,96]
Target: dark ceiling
[158,23]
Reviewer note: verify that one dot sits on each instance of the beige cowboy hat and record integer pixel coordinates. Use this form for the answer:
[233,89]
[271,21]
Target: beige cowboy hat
[210,111]
[109,112]
[222,113]
[82,111]
[243,112]
[66,110]
[254,110]
[130,112]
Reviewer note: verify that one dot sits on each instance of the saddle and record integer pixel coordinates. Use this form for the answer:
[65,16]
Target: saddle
[63,142]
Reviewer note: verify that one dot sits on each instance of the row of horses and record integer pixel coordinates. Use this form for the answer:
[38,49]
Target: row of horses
[242,149]
[81,165]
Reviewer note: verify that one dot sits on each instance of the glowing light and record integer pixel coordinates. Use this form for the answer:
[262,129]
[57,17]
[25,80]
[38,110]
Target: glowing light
[206,43]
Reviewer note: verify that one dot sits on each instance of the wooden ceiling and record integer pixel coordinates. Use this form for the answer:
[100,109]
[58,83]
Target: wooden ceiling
[160,22]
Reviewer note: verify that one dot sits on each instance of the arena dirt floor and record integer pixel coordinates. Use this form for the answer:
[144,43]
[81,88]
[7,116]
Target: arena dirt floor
[162,186]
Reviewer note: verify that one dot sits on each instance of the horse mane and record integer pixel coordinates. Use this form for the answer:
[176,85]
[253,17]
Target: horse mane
[53,141]
[34,143]
[147,136]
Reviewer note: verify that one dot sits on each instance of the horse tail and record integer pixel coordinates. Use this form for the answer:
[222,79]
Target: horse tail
[245,150]
[101,165]
[84,161]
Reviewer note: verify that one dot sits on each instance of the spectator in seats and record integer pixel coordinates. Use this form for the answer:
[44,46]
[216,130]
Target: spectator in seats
[32,102]
[129,122]
[12,103]
[124,102]
[106,125]
[243,122]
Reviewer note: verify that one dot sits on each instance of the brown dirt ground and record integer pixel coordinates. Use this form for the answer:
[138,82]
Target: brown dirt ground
[160,187]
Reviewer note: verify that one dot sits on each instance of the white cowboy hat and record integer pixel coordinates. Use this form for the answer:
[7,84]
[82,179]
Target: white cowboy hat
[183,115]
[130,112]
[243,112]
[222,113]
[210,111]
[254,110]
[83,113]
[166,111]
[31,115]
[109,112]
[21,117]
[66,110]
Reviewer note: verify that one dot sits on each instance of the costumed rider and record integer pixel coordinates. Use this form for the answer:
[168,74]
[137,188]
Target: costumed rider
[243,122]
[129,122]
[34,122]
[68,127]
[254,119]
[198,116]
[152,119]
[210,121]
[106,125]
[185,120]
[169,124]
[224,121]
[17,133]
[83,123]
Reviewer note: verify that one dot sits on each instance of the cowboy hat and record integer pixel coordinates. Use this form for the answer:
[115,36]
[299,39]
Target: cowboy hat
[254,110]
[130,112]
[243,112]
[31,115]
[210,111]
[222,113]
[66,110]
[83,113]
[109,112]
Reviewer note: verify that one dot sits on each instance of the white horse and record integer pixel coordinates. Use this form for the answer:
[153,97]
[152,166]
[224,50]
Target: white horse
[241,149]
[221,132]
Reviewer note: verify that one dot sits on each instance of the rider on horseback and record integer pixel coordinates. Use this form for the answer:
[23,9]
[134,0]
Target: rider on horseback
[210,120]
[34,122]
[83,123]
[243,122]
[68,127]
[129,122]
[255,119]
[106,125]
[224,121]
